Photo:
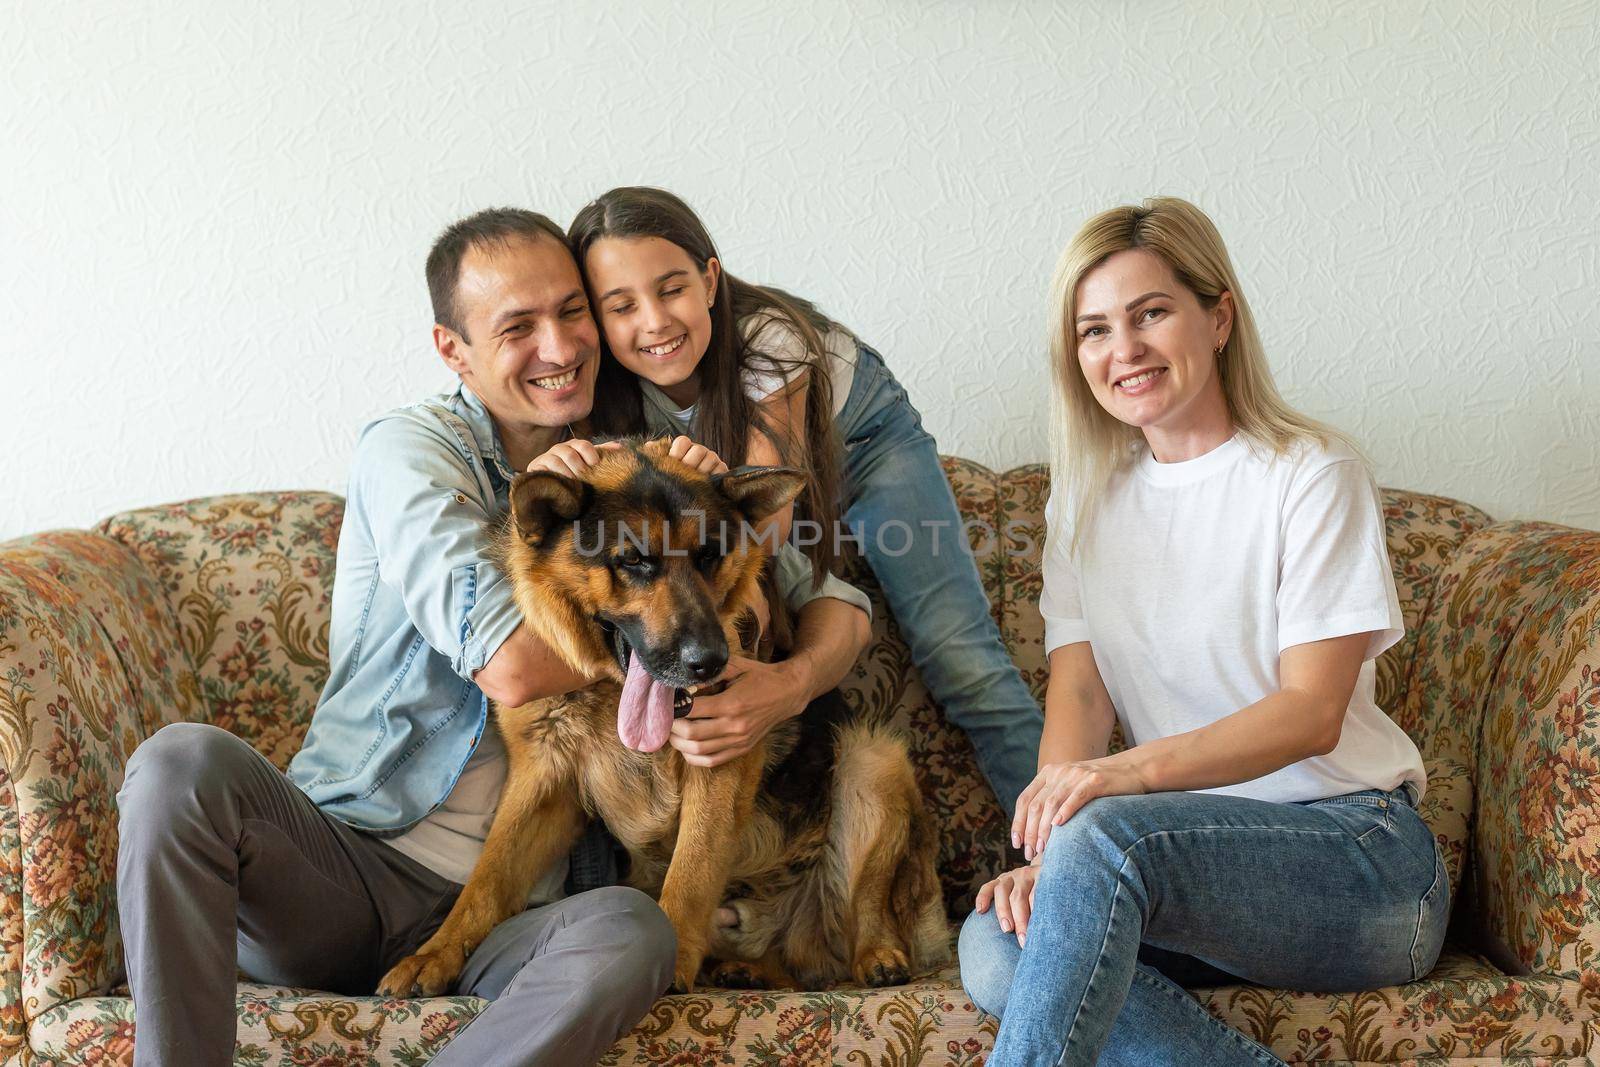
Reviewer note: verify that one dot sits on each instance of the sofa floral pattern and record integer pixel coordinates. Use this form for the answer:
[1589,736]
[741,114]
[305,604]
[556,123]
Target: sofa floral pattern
[216,610]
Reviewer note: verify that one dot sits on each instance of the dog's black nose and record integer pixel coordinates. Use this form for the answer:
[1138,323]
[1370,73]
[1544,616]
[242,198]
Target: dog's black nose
[705,661]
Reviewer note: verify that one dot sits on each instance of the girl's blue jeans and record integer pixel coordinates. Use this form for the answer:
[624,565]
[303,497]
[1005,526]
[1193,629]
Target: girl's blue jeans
[1336,895]
[899,509]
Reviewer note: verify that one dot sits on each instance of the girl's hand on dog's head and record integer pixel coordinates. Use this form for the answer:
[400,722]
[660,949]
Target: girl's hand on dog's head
[570,458]
[699,457]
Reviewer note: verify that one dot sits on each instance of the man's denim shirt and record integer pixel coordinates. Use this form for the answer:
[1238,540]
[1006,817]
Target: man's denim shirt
[417,609]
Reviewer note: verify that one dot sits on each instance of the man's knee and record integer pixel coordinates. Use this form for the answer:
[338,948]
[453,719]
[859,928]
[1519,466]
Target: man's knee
[639,930]
[988,963]
[181,765]
[655,943]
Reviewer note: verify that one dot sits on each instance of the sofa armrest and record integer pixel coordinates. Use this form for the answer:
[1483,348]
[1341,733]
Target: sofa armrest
[90,665]
[1510,652]
[13,1027]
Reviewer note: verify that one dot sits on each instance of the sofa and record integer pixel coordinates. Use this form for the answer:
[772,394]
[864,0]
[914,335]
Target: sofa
[216,610]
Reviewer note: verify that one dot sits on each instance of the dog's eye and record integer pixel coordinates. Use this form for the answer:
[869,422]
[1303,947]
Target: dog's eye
[631,560]
[707,557]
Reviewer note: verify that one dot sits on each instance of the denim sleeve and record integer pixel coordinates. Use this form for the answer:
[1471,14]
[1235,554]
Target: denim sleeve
[425,508]
[793,573]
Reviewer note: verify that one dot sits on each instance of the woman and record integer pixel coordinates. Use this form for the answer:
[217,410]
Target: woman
[762,377]
[1217,582]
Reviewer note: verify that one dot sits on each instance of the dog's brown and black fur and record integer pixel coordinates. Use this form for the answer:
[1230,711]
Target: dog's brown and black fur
[817,837]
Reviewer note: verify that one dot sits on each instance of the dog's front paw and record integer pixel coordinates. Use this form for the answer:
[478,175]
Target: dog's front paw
[881,965]
[737,974]
[429,973]
[690,957]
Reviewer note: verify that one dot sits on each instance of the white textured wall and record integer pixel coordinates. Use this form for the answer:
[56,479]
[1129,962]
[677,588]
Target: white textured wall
[213,217]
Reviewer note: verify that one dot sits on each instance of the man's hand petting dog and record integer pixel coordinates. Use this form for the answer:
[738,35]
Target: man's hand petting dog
[728,724]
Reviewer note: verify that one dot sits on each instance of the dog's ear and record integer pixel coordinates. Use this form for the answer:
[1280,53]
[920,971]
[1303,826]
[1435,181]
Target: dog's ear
[759,491]
[541,501]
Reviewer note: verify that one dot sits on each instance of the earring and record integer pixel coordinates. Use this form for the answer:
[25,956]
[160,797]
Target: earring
[1220,346]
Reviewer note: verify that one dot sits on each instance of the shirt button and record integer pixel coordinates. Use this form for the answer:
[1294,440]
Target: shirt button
[461,498]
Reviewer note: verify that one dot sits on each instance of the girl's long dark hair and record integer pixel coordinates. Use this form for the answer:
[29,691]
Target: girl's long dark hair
[724,414]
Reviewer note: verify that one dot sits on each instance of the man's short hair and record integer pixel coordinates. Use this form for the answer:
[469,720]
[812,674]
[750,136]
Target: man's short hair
[496,226]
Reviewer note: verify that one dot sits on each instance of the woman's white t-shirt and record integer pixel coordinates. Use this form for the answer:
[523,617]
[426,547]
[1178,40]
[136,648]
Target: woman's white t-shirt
[1196,575]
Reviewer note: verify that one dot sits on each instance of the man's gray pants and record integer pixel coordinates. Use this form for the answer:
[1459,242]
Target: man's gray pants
[223,863]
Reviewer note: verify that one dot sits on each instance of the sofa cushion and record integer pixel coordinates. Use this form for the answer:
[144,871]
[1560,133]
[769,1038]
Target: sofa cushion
[278,1027]
[1446,808]
[928,1021]
[1465,1010]
[250,577]
[1022,494]
[1423,532]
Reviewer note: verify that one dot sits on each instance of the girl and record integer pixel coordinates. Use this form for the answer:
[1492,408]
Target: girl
[1217,582]
[763,377]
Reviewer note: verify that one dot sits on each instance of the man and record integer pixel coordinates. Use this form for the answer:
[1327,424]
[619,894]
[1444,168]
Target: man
[328,877]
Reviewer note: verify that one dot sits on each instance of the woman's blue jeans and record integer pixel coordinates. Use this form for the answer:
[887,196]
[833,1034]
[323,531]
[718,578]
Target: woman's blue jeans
[900,511]
[1336,895]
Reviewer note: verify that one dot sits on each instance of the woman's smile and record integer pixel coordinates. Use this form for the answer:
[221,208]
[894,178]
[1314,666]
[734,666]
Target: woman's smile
[1139,382]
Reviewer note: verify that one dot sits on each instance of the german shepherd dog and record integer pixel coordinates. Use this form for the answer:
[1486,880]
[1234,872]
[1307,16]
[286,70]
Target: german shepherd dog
[643,573]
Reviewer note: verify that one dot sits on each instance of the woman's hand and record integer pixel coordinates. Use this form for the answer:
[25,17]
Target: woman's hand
[1060,789]
[570,458]
[699,457]
[1012,896]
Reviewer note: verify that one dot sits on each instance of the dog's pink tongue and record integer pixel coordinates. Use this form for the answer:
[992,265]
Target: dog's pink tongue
[644,718]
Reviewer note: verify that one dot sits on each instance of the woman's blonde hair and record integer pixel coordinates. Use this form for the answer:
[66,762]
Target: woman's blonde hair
[1090,444]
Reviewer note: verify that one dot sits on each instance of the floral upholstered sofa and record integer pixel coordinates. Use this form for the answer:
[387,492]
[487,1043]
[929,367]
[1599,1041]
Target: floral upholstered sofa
[217,610]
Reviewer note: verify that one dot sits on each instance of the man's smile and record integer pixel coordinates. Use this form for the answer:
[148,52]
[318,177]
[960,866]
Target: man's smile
[556,382]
